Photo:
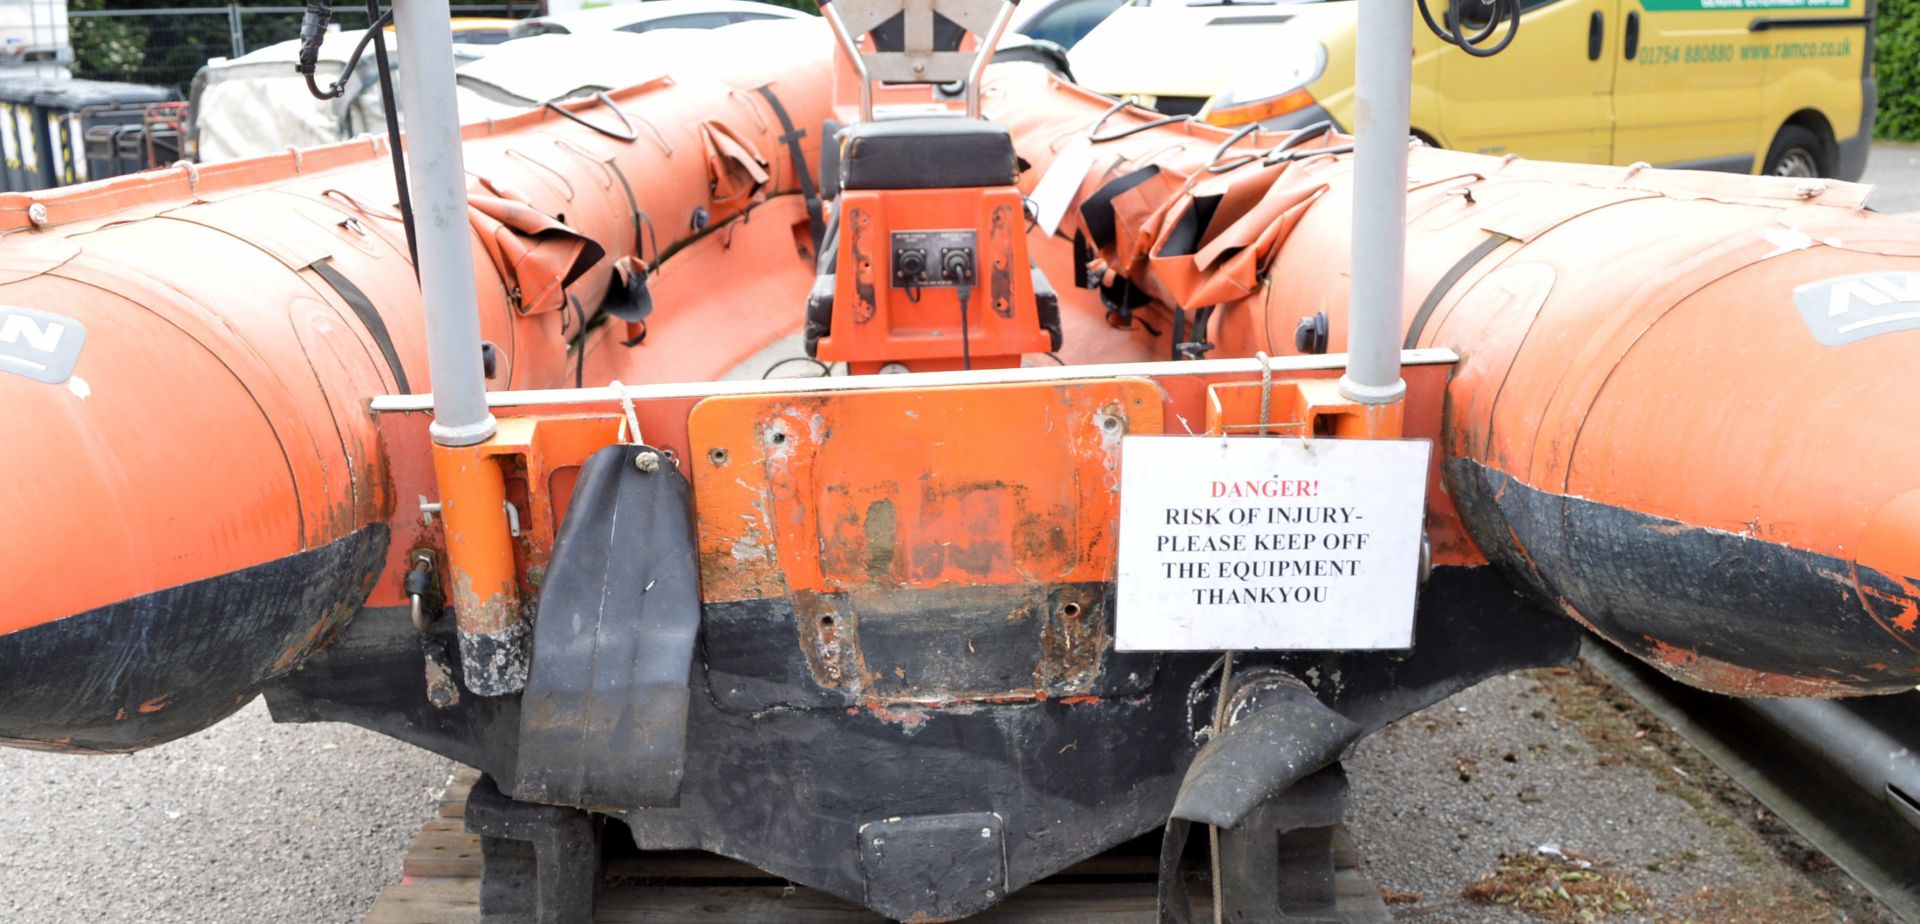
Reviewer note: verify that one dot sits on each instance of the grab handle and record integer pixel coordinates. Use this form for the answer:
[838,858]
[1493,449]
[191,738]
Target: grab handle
[631,134]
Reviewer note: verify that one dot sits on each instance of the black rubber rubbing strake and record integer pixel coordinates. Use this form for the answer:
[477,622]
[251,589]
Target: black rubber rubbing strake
[1634,577]
[369,316]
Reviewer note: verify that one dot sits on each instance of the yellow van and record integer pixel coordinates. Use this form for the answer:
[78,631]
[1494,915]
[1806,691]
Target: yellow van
[1782,87]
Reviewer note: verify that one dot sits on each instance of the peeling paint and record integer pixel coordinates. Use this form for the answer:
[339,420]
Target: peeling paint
[907,718]
[747,547]
[1672,655]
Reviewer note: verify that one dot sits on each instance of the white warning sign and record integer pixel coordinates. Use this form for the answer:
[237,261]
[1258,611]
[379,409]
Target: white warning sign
[1252,543]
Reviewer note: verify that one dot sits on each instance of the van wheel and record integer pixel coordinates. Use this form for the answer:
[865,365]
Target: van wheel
[1797,152]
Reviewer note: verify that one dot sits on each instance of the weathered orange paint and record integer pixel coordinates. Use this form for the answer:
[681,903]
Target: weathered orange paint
[995,484]
[480,567]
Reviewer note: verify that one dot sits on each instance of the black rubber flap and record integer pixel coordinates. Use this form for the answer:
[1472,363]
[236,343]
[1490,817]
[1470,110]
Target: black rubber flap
[603,722]
[628,296]
[1288,736]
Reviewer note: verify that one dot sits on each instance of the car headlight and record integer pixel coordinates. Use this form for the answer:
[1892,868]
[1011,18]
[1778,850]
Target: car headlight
[1275,87]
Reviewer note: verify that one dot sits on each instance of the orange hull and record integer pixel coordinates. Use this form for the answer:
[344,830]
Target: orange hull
[1644,431]
[207,469]
[1682,405]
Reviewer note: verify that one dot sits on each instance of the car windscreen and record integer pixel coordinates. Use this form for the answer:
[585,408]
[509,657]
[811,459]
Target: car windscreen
[480,36]
[689,21]
[533,27]
[1068,22]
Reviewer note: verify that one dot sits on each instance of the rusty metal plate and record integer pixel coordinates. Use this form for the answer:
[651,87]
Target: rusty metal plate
[967,533]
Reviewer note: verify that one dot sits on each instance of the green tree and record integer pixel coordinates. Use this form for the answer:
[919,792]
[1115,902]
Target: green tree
[1897,64]
[142,45]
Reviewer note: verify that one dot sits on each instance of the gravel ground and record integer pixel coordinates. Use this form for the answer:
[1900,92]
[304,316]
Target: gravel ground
[1894,171]
[248,822]
[256,822]
[1563,760]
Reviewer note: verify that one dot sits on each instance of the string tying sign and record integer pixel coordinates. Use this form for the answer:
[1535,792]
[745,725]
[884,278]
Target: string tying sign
[1244,544]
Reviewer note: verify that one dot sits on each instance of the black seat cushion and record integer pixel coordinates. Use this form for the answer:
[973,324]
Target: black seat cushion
[926,152]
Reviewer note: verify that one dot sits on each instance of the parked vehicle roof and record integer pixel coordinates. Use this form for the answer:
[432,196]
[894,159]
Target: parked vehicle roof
[655,14]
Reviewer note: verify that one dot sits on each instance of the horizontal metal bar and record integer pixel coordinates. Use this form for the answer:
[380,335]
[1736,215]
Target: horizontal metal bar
[249,10]
[1243,366]
[1858,831]
[1770,23]
[1269,425]
[220,11]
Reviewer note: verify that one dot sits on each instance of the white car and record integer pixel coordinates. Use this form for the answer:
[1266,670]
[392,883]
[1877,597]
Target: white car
[1176,56]
[1066,22]
[1062,22]
[655,14]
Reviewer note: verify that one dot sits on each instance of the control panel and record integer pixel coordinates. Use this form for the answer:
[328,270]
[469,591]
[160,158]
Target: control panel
[929,259]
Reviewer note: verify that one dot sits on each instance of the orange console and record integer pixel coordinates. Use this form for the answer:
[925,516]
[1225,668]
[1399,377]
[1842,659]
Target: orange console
[925,266]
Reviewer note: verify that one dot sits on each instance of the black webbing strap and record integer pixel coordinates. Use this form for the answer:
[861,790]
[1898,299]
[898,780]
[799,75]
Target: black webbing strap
[1097,211]
[633,204]
[1440,289]
[369,317]
[815,214]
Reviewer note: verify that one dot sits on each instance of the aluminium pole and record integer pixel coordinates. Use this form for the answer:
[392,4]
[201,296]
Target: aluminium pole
[438,178]
[493,630]
[1382,108]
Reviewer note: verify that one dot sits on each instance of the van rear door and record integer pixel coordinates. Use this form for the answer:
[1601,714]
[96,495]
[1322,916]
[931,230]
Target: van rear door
[1687,90]
[1819,76]
[1545,96]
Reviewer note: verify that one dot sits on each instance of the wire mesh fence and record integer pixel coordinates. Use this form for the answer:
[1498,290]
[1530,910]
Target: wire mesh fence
[166,47]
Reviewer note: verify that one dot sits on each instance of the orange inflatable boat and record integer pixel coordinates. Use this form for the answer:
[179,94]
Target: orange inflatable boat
[1666,406]
[1678,401]
[188,357]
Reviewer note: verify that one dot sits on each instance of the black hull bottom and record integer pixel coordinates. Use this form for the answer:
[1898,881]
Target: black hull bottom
[153,668]
[790,790]
[1716,610]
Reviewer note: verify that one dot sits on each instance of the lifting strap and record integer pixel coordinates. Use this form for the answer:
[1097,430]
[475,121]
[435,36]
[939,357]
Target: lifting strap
[369,317]
[791,135]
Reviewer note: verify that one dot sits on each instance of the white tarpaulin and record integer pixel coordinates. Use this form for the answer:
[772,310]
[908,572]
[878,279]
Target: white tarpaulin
[256,104]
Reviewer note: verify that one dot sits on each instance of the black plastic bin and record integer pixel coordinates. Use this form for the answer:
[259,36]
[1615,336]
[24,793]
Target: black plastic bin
[47,124]
[71,111]
[22,156]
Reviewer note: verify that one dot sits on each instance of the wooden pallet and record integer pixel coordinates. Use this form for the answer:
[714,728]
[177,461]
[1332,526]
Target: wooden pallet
[440,884]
